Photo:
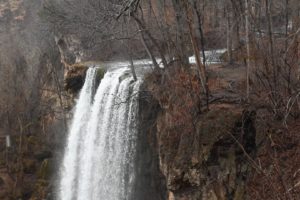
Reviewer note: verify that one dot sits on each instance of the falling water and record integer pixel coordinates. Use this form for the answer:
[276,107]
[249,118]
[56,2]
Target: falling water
[99,157]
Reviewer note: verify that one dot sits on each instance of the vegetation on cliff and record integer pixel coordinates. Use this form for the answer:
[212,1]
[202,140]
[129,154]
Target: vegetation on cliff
[224,130]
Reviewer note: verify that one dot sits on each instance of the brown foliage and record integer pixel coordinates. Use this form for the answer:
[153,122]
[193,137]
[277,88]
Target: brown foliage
[275,82]
[179,95]
[279,161]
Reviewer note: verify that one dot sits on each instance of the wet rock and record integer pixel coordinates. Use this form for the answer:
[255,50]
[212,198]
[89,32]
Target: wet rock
[42,155]
[46,169]
[151,183]
[126,75]
[211,162]
[74,78]
[100,74]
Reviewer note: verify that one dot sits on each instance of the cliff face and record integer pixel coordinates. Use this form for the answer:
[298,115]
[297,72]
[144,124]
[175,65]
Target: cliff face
[150,181]
[209,163]
[229,152]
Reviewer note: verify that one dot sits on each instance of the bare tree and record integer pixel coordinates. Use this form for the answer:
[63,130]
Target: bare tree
[247,27]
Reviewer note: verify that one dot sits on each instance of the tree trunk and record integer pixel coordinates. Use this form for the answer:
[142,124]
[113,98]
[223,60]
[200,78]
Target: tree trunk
[149,52]
[201,33]
[236,19]
[295,15]
[229,35]
[201,69]
[180,45]
[295,26]
[248,49]
[153,40]
[131,63]
[287,65]
[271,49]
[129,52]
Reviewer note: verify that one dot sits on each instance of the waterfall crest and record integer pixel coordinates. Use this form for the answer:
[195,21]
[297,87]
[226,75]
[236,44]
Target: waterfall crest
[98,163]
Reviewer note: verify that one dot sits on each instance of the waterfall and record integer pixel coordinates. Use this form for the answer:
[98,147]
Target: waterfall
[98,162]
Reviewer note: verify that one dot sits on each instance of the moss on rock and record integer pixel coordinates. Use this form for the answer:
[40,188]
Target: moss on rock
[100,74]
[45,170]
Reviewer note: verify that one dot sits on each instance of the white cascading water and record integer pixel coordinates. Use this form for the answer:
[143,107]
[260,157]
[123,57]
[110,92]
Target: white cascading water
[99,157]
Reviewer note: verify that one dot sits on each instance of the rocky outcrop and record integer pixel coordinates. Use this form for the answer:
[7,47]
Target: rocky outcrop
[150,182]
[67,55]
[75,75]
[210,162]
[74,78]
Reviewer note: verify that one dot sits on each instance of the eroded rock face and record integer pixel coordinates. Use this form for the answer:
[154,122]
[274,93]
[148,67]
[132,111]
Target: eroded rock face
[150,181]
[74,78]
[67,56]
[211,162]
